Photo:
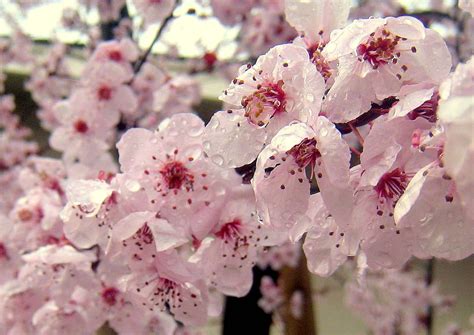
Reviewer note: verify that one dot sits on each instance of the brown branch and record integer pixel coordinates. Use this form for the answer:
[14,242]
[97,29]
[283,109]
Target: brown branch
[166,21]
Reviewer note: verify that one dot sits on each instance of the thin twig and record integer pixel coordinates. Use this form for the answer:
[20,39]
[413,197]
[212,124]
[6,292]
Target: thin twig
[142,61]
[355,151]
[357,134]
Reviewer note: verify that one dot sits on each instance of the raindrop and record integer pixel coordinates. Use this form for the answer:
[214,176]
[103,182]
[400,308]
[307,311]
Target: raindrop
[132,185]
[218,159]
[214,124]
[195,131]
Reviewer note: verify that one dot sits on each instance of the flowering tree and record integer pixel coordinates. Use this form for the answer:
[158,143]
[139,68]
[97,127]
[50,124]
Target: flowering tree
[347,136]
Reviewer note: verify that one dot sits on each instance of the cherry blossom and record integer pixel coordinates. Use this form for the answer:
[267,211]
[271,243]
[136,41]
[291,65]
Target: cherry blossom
[264,29]
[440,191]
[349,139]
[88,208]
[168,281]
[325,243]
[153,11]
[315,20]
[267,98]
[122,53]
[272,296]
[81,127]
[231,12]
[389,302]
[281,168]
[105,87]
[392,51]
[230,254]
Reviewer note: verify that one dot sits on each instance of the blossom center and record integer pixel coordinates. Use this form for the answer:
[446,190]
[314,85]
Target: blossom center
[427,110]
[166,286]
[229,230]
[319,61]
[267,101]
[392,185]
[81,126]
[3,252]
[210,59]
[115,55]
[176,175]
[305,153]
[109,295]
[104,93]
[144,234]
[379,49]
[25,215]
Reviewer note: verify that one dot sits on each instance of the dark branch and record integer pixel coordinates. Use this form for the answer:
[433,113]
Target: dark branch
[374,112]
[142,61]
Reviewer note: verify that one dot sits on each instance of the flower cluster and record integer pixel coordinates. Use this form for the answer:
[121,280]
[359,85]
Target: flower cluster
[352,140]
[292,114]
[394,302]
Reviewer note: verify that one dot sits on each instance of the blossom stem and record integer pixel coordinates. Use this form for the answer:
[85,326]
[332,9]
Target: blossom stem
[357,134]
[355,151]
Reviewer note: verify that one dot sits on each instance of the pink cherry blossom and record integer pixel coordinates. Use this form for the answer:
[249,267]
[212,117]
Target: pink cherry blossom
[283,254]
[170,166]
[105,86]
[388,163]
[281,170]
[154,11]
[231,12]
[81,127]
[263,29]
[389,302]
[432,209]
[176,95]
[87,212]
[145,82]
[391,51]
[351,142]
[229,255]
[325,244]
[170,281]
[315,20]
[272,297]
[122,53]
[267,96]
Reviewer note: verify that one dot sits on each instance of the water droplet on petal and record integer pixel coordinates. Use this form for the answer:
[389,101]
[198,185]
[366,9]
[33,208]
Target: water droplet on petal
[195,131]
[132,185]
[214,124]
[218,159]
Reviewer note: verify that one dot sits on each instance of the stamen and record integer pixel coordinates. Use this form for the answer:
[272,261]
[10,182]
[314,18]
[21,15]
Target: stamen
[267,101]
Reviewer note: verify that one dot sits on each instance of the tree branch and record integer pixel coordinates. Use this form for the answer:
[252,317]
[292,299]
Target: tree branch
[142,61]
